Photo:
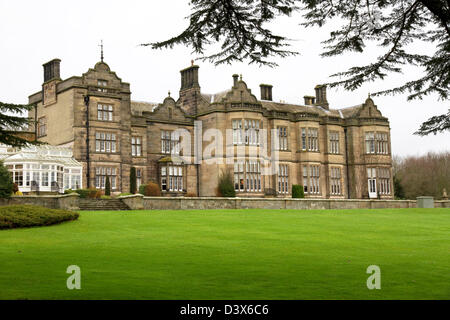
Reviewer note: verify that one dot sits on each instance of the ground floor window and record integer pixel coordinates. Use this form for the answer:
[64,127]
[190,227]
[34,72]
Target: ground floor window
[247,176]
[283,179]
[172,178]
[44,177]
[72,179]
[311,179]
[100,177]
[372,182]
[385,180]
[335,181]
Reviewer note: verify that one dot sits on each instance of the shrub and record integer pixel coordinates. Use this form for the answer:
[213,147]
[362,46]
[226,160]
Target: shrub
[191,195]
[399,192]
[107,187]
[133,180]
[142,189]
[21,216]
[91,193]
[105,197]
[226,185]
[297,191]
[69,191]
[83,193]
[6,183]
[152,190]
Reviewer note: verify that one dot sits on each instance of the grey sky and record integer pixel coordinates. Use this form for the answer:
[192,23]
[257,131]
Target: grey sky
[34,32]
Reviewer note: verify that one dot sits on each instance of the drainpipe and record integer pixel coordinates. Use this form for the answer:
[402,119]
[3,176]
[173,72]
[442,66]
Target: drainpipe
[346,163]
[35,123]
[197,165]
[88,171]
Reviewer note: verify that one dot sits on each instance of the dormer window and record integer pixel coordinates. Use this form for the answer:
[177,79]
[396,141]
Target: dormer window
[102,84]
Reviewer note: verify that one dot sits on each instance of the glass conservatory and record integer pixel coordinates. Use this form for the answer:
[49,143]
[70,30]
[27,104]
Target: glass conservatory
[42,168]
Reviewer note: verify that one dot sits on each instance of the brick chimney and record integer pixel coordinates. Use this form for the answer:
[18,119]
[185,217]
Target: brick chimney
[266,92]
[190,89]
[321,96]
[51,70]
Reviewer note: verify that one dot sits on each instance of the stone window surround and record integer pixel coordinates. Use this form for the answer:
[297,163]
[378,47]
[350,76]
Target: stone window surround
[334,142]
[378,140]
[42,126]
[172,177]
[311,178]
[335,177]
[283,179]
[112,141]
[306,139]
[105,109]
[242,131]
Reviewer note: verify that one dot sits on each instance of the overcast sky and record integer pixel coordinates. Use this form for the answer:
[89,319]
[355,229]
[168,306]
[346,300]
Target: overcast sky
[34,32]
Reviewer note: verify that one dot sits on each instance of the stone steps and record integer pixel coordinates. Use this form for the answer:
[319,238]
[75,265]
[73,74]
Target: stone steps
[102,205]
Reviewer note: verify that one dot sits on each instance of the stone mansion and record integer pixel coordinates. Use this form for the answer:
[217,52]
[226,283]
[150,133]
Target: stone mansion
[332,153]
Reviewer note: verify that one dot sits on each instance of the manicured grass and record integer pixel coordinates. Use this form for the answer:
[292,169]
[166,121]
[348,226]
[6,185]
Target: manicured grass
[226,254]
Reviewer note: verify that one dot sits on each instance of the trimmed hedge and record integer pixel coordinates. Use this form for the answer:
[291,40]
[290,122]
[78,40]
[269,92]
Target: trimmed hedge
[297,191]
[24,216]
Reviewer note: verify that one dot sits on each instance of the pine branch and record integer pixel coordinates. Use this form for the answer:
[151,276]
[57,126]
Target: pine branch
[435,125]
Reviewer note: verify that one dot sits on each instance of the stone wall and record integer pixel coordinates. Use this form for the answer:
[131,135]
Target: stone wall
[69,201]
[139,202]
[163,203]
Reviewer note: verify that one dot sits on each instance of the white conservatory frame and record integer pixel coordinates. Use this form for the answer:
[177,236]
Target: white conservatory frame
[43,168]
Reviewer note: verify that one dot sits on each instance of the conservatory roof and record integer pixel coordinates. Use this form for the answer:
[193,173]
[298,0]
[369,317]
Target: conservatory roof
[41,154]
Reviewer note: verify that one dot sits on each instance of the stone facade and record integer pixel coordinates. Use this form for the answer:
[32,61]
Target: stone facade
[334,153]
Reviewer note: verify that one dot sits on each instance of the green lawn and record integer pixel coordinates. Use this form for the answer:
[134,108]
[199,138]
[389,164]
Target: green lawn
[229,254]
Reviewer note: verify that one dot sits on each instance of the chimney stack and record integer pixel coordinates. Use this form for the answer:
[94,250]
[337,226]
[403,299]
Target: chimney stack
[266,92]
[321,96]
[51,70]
[235,80]
[309,100]
[189,77]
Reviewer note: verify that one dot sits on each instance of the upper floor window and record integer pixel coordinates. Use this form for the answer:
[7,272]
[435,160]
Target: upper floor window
[42,127]
[170,142]
[136,146]
[335,181]
[283,179]
[105,142]
[382,143]
[311,179]
[105,112]
[310,139]
[334,142]
[246,131]
[247,176]
[282,138]
[376,142]
[101,85]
